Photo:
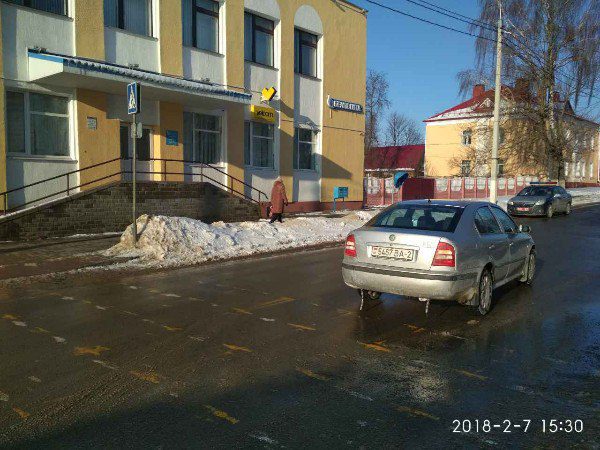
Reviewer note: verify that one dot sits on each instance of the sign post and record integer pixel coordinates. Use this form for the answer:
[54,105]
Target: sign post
[133,108]
[339,193]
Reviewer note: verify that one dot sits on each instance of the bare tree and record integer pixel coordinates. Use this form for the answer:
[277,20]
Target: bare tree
[376,103]
[553,50]
[402,130]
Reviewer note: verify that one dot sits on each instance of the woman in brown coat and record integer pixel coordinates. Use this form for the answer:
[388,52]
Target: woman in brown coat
[278,200]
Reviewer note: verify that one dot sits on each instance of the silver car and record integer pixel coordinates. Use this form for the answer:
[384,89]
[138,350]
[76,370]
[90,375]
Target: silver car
[439,250]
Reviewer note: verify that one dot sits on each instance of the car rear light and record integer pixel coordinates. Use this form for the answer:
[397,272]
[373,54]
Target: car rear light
[445,255]
[350,246]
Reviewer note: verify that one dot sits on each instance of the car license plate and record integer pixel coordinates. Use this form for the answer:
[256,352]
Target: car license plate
[522,209]
[404,254]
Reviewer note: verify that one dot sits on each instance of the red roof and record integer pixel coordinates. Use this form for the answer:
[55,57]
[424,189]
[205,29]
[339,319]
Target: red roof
[407,157]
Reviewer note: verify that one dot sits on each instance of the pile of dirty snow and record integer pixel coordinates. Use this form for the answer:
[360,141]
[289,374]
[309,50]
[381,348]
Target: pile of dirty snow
[174,241]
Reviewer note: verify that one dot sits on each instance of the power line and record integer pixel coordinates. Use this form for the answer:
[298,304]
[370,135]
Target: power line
[479,36]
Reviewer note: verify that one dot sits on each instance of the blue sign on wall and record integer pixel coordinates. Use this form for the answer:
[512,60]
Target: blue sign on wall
[172,137]
[340,192]
[133,98]
[343,105]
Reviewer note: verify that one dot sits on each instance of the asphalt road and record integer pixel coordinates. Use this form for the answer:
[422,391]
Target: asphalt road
[272,353]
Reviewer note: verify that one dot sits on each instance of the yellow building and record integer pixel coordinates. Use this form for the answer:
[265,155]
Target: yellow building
[458,140]
[202,65]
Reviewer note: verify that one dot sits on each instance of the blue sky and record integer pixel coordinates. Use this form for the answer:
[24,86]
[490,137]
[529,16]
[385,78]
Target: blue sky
[421,60]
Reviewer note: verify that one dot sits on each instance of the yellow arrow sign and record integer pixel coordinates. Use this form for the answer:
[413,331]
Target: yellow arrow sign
[268,94]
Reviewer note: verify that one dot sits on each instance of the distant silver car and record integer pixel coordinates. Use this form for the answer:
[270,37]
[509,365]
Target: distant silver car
[439,250]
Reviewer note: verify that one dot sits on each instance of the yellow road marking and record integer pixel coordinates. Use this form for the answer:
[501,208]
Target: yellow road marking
[221,414]
[241,311]
[311,374]
[376,346]
[277,301]
[302,327]
[471,374]
[90,350]
[169,328]
[415,328]
[22,414]
[40,330]
[9,317]
[151,377]
[237,348]
[416,412]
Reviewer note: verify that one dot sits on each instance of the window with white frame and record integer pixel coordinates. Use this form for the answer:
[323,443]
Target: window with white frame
[130,15]
[590,169]
[566,169]
[39,124]
[305,149]
[201,138]
[305,53]
[51,6]
[201,24]
[258,39]
[258,144]
[500,167]
[467,137]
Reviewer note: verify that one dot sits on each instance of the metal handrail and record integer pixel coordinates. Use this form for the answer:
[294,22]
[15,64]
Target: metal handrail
[164,172]
[213,168]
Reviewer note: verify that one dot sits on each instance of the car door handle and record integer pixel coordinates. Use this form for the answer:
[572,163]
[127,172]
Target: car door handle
[492,246]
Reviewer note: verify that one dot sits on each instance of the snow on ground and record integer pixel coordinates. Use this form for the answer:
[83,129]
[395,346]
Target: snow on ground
[176,241]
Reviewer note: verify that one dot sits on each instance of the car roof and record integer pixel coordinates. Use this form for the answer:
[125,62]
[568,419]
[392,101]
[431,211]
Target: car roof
[446,202]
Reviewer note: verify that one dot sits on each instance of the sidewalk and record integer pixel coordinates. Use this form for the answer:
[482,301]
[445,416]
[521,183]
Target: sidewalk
[25,259]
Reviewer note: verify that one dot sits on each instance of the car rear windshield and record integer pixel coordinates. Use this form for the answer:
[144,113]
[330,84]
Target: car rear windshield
[535,191]
[419,217]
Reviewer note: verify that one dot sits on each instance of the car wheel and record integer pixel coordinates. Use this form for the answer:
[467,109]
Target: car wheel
[549,211]
[568,210]
[484,292]
[529,269]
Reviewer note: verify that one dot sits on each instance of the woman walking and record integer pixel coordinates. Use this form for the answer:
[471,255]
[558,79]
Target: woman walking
[278,200]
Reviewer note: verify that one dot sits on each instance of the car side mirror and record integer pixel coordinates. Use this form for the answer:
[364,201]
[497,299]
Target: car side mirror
[524,229]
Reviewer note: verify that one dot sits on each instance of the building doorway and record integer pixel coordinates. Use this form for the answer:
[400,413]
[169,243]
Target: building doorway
[143,150]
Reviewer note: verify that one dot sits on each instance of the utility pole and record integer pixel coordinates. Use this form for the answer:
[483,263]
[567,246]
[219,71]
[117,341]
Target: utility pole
[497,90]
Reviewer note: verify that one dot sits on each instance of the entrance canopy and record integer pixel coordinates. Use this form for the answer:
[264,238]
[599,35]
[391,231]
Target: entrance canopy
[69,71]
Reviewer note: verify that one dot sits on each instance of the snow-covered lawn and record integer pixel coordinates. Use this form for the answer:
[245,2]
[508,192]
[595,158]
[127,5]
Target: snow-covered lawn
[177,241]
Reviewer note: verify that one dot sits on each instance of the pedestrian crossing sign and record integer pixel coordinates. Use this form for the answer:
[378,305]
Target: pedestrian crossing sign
[133,98]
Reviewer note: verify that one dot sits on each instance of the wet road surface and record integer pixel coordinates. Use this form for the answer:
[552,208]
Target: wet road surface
[272,353]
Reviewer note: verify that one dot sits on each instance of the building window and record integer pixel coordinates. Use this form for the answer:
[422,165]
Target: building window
[258,144]
[591,170]
[201,24]
[130,15]
[51,6]
[258,39]
[500,167]
[566,169]
[39,124]
[305,53]
[501,136]
[202,138]
[304,149]
[465,168]
[466,137]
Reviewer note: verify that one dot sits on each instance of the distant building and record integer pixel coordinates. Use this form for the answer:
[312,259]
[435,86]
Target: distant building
[383,162]
[458,140]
